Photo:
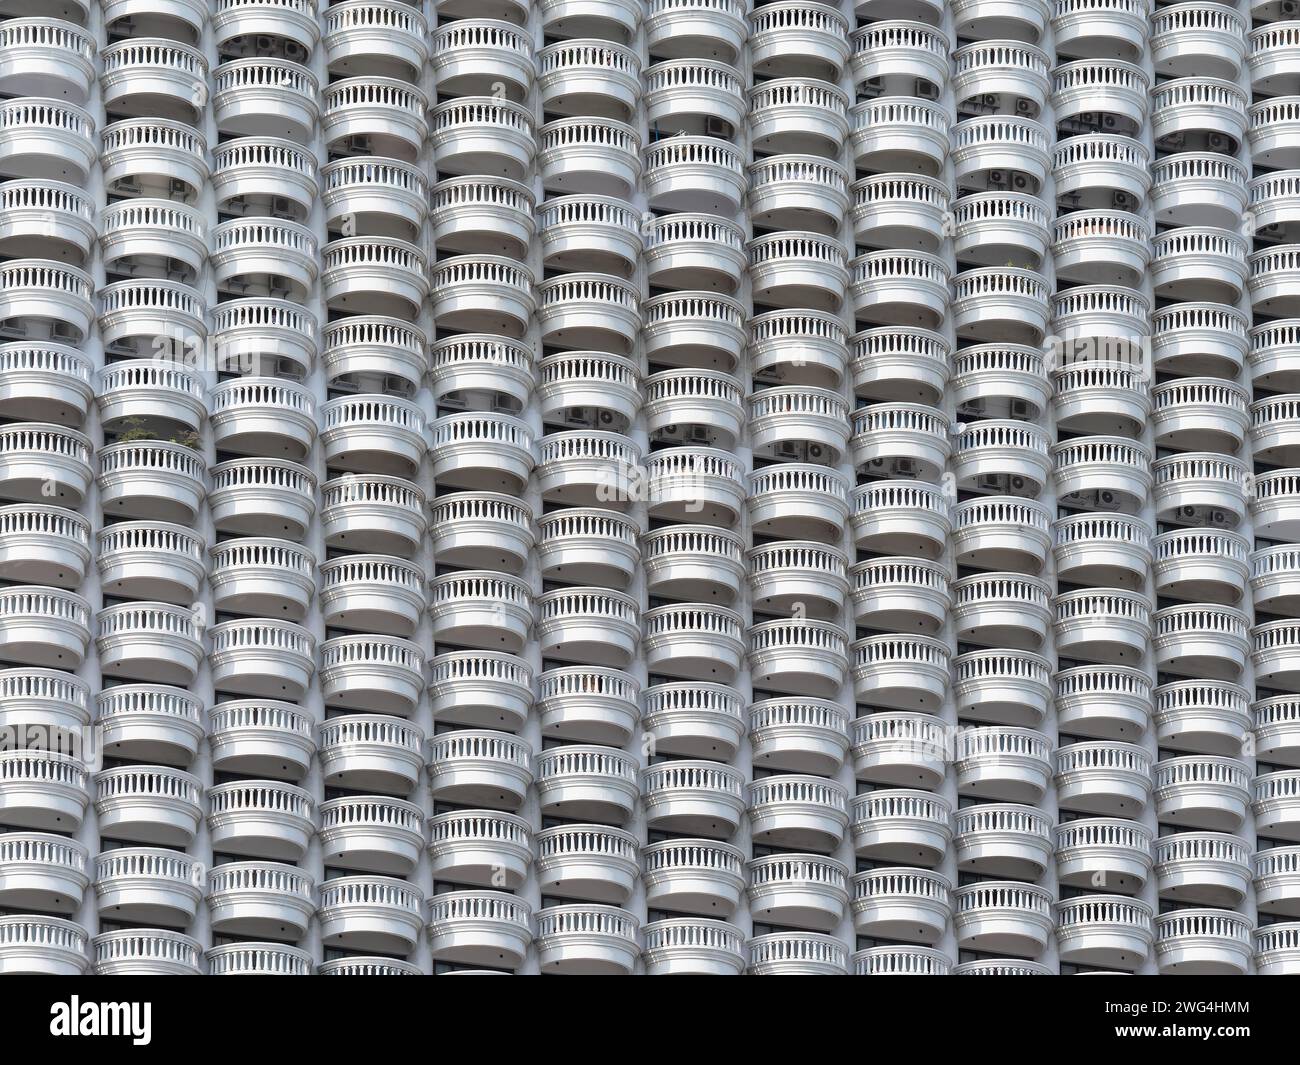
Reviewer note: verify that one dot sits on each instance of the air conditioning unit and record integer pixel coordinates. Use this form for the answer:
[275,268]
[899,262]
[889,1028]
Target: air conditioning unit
[1121,201]
[1026,107]
[972,409]
[699,434]
[13,330]
[1020,409]
[990,482]
[1218,142]
[359,144]
[816,451]
[789,449]
[904,468]
[606,417]
[1290,7]
[295,52]
[1217,518]
[281,206]
[925,90]
[343,388]
[870,89]
[1017,484]
[577,416]
[998,178]
[395,386]
[990,100]
[1019,181]
[288,368]
[716,127]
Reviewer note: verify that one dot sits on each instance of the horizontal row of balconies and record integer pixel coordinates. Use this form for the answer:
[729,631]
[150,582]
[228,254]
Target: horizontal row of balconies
[493,929]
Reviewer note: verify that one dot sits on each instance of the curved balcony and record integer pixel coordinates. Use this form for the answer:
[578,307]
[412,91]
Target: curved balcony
[1273,203]
[900,961]
[145,952]
[898,364]
[597,156]
[480,847]
[294,20]
[260,899]
[258,959]
[151,479]
[472,56]
[153,642]
[262,416]
[900,517]
[901,749]
[260,819]
[361,966]
[1002,763]
[373,434]
[272,659]
[152,77]
[147,152]
[148,885]
[697,330]
[1002,687]
[265,97]
[1276,803]
[1206,868]
[1203,942]
[900,594]
[383,115]
[478,767]
[1003,840]
[1109,779]
[1001,610]
[44,709]
[47,293]
[1116,89]
[261,737]
[1002,532]
[791,38]
[138,393]
[586,940]
[1200,188]
[479,928]
[252,331]
[590,625]
[371,752]
[587,704]
[484,215]
[482,529]
[691,27]
[798,890]
[680,93]
[1000,304]
[1007,228]
[696,641]
[261,576]
[686,173]
[42,946]
[46,139]
[798,735]
[483,452]
[1274,647]
[705,798]
[900,135]
[1273,503]
[472,362]
[372,593]
[46,382]
[783,575]
[996,73]
[1105,930]
[1201,640]
[798,655]
[1100,320]
[1198,38]
[42,872]
[373,674]
[1095,28]
[149,722]
[39,217]
[1272,66]
[46,57]
[1200,263]
[1106,853]
[698,563]
[588,77]
[1109,472]
[1101,247]
[1201,483]
[148,804]
[1002,917]
[1277,730]
[798,116]
[692,946]
[1273,440]
[375,37]
[990,151]
[810,421]
[694,719]
[587,783]
[1111,702]
[802,192]
[269,256]
[1102,625]
[911,905]
[1206,565]
[903,439]
[43,790]
[1199,338]
[802,812]
[1276,878]
[899,288]
[482,135]
[263,497]
[592,232]
[1207,717]
[44,545]
[147,234]
[1206,107]
[797,954]
[372,834]
[370,913]
[897,54]
[588,312]
[900,825]
[486,689]
[478,608]
[42,626]
[1202,791]
[590,862]
[694,251]
[481,293]
[693,876]
[382,274]
[798,500]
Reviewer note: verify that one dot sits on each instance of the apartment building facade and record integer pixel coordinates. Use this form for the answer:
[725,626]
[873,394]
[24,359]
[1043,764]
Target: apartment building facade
[649,486]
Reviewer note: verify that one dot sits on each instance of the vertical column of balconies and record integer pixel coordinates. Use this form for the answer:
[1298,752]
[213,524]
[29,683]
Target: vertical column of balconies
[900,582]
[152,539]
[1102,526]
[262,373]
[797,566]
[485,140]
[1272,75]
[998,483]
[694,783]
[48,212]
[586,855]
[1199,420]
